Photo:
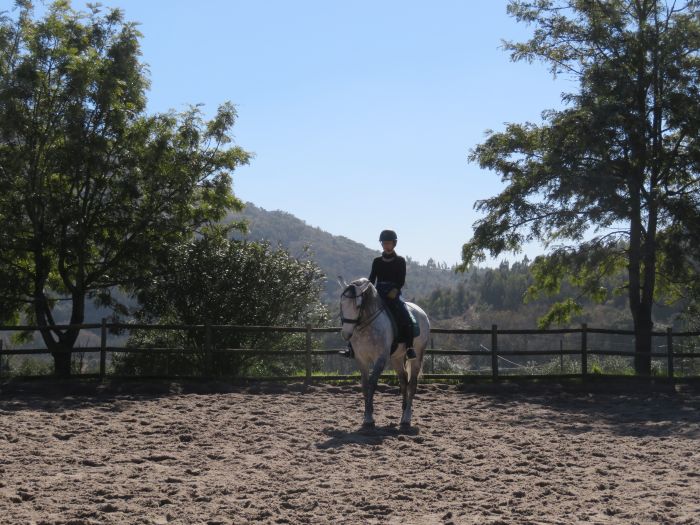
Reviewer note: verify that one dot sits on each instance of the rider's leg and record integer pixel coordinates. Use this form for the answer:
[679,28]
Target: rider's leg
[398,313]
[406,329]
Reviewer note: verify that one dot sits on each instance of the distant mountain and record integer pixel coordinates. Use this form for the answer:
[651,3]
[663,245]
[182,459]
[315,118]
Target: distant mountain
[335,255]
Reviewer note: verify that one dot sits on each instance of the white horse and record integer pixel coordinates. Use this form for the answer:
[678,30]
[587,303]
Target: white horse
[367,325]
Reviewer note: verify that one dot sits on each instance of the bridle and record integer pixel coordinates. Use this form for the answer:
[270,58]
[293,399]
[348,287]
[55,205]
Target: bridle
[352,295]
[358,320]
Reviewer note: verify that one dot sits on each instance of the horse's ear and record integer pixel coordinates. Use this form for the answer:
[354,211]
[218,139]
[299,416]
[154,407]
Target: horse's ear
[342,282]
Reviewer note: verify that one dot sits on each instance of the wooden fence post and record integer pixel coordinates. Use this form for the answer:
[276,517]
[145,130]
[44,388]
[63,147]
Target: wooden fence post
[494,352]
[669,349]
[208,362]
[8,362]
[103,348]
[584,350]
[308,354]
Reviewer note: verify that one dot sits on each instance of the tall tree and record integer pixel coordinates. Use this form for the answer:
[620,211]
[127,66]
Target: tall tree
[92,190]
[613,178]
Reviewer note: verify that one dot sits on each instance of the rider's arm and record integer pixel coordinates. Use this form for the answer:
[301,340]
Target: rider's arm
[401,274]
[373,272]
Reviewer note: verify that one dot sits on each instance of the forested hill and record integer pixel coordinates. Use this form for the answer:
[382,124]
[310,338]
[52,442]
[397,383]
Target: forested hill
[336,255]
[477,299]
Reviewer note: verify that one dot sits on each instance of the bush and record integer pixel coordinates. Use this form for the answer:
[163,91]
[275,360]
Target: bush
[224,282]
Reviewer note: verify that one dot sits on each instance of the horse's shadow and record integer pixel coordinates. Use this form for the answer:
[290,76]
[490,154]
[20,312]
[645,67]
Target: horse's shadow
[364,436]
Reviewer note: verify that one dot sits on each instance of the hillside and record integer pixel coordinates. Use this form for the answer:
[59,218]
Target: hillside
[336,255]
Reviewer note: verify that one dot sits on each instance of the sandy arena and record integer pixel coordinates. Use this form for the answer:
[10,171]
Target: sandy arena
[212,454]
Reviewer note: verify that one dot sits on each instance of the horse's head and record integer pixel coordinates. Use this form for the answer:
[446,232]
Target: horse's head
[351,303]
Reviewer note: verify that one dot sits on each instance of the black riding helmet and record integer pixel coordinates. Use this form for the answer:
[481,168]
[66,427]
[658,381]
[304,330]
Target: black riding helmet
[388,235]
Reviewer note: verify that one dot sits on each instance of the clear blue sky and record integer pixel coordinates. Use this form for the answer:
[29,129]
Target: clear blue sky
[361,114]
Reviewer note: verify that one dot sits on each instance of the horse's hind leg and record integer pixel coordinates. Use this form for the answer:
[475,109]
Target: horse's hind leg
[410,391]
[367,394]
[403,385]
[369,385]
[399,365]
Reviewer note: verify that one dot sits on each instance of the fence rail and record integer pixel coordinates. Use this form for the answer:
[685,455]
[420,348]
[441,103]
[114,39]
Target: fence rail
[584,351]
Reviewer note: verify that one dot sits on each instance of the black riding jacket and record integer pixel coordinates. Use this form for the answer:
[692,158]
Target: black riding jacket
[389,268]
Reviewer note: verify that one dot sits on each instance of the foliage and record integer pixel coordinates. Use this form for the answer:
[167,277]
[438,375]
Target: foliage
[93,191]
[502,296]
[498,289]
[612,181]
[217,281]
[684,278]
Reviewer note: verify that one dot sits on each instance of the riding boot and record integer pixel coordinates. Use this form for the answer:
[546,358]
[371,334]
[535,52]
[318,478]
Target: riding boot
[348,352]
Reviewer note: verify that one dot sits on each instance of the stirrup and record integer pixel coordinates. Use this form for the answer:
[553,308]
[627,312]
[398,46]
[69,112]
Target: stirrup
[411,353]
[347,352]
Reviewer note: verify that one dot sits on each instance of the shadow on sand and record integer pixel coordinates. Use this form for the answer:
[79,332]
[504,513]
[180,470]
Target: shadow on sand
[54,395]
[628,407]
[365,436]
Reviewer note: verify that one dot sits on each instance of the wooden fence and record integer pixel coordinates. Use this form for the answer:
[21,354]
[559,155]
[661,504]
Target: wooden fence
[583,351]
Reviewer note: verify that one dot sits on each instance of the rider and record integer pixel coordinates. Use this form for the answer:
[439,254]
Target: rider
[389,275]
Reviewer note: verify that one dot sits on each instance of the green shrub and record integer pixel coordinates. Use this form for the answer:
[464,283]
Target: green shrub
[221,282]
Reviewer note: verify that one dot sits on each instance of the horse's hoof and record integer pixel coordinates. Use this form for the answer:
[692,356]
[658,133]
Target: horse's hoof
[368,425]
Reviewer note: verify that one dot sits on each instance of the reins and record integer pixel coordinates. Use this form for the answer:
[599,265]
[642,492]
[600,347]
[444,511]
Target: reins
[361,325]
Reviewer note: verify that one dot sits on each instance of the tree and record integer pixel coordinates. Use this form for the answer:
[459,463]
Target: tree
[613,177]
[217,281]
[93,191]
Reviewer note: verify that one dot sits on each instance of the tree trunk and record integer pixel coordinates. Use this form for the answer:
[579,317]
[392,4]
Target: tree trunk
[62,362]
[643,327]
[641,311]
[60,349]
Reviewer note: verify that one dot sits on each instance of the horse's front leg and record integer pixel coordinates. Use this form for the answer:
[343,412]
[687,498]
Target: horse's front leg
[371,387]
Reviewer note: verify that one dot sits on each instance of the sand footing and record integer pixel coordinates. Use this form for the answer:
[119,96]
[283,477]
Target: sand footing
[137,453]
